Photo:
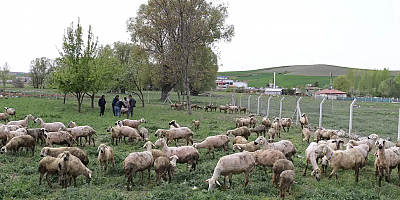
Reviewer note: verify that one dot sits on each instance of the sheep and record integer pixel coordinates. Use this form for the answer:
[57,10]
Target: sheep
[4,117]
[232,164]
[286,182]
[239,140]
[233,109]
[3,133]
[241,131]
[144,133]
[327,134]
[106,154]
[260,130]
[241,108]
[133,123]
[266,158]
[60,137]
[37,133]
[173,124]
[363,148]
[303,121]
[212,142]
[178,133]
[54,152]
[277,126]
[163,166]
[81,131]
[311,157]
[357,143]
[186,154]
[243,122]
[196,124]
[20,141]
[250,147]
[138,161]
[286,122]
[306,133]
[266,122]
[115,134]
[253,121]
[348,159]
[129,132]
[193,106]
[23,123]
[51,127]
[386,160]
[207,107]
[285,146]
[157,153]
[76,168]
[18,132]
[271,134]
[53,165]
[199,107]
[278,167]
[335,144]
[10,111]
[214,107]
[223,108]
[158,132]
[124,111]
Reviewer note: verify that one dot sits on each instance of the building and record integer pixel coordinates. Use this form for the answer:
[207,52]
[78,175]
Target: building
[273,91]
[330,94]
[310,91]
[224,82]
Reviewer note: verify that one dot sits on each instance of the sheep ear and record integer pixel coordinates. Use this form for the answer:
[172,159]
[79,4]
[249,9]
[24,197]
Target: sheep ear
[334,141]
[208,180]
[218,183]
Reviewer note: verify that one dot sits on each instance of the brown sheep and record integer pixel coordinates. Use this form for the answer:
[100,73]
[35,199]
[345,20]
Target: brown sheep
[266,158]
[212,142]
[37,133]
[144,133]
[286,182]
[54,152]
[239,140]
[178,133]
[260,130]
[386,160]
[280,166]
[163,166]
[20,141]
[196,124]
[271,135]
[286,122]
[266,122]
[223,108]
[106,155]
[4,117]
[115,134]
[303,121]
[157,153]
[52,165]
[250,147]
[242,109]
[241,131]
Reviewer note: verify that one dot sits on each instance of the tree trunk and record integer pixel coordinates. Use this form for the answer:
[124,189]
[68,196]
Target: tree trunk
[92,97]
[4,88]
[65,97]
[165,89]
[179,97]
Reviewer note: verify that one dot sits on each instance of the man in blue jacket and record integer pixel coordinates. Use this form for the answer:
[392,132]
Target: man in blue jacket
[102,105]
[118,107]
[114,101]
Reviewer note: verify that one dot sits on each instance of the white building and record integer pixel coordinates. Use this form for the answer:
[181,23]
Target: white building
[272,91]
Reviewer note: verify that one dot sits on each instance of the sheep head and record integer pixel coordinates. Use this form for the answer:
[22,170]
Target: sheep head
[142,121]
[3,150]
[380,144]
[260,140]
[211,184]
[30,117]
[102,148]
[44,151]
[38,120]
[148,144]
[317,174]
[160,142]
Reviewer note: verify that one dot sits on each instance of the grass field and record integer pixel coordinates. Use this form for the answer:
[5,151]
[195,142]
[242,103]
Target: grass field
[19,176]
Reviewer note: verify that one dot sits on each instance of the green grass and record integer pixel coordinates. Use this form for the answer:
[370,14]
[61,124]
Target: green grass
[19,177]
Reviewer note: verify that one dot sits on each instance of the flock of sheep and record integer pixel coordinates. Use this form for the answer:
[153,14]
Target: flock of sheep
[70,162]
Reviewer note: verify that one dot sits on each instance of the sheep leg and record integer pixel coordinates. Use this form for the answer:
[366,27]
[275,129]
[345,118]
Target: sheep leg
[305,170]
[224,186]
[48,180]
[380,176]
[246,178]
[282,190]
[212,148]
[169,175]
[40,178]
[357,170]
[230,181]
[148,170]
[388,172]
[106,165]
[226,148]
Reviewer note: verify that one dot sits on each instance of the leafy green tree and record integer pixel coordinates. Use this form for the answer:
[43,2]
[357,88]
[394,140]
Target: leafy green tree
[316,84]
[4,76]
[396,78]
[390,88]
[342,83]
[39,69]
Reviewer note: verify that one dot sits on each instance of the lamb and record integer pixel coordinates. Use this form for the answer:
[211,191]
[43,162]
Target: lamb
[278,167]
[286,122]
[286,182]
[186,154]
[266,158]
[348,159]
[163,166]
[20,141]
[232,164]
[173,124]
[138,161]
[76,168]
[253,121]
[242,109]
[233,109]
[250,147]
[178,133]
[52,165]
[196,124]
[277,126]
[10,111]
[311,157]
[129,132]
[260,130]
[271,135]
[386,160]
[239,140]
[212,142]
[241,131]
[266,122]
[54,152]
[60,137]
[37,133]
[115,134]
[285,146]
[4,117]
[51,127]
[22,123]
[81,131]
[133,123]
[106,155]
[144,133]
[223,108]
[303,121]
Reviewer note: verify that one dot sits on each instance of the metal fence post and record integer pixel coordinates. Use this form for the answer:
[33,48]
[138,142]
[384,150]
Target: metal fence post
[320,113]
[24,91]
[351,116]
[248,103]
[258,104]
[268,105]
[398,128]
[280,108]
[240,100]
[56,97]
[298,111]
[40,93]
[148,97]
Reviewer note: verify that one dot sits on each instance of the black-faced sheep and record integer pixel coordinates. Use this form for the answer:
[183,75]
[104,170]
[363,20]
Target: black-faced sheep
[286,182]
[241,131]
[278,167]
[54,152]
[106,155]
[213,142]
[10,111]
[23,122]
[51,127]
[20,141]
[173,124]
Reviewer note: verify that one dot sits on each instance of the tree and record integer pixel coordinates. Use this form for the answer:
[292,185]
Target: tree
[39,69]
[4,76]
[389,88]
[316,84]
[342,83]
[76,58]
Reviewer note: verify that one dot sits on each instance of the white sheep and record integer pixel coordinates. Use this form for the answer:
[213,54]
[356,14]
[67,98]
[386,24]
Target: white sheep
[213,142]
[178,133]
[106,155]
[144,133]
[52,165]
[10,111]
[19,141]
[76,168]
[266,158]
[22,123]
[54,152]
[59,137]
[311,157]
[51,127]
[115,134]
[250,147]
[133,123]
[285,146]
[386,160]
[239,140]
[79,132]
[164,166]
[131,133]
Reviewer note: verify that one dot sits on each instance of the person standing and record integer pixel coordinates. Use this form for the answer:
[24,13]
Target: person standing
[114,101]
[102,105]
[131,105]
[118,107]
[125,101]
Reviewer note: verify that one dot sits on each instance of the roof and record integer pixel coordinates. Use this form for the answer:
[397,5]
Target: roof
[330,91]
[312,88]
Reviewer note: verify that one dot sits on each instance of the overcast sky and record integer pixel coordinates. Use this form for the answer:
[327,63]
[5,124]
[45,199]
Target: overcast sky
[268,33]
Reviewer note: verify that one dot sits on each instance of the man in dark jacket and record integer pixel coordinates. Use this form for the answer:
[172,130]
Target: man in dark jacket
[131,105]
[118,107]
[102,105]
[114,101]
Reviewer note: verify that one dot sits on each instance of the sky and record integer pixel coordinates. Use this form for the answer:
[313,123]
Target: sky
[268,33]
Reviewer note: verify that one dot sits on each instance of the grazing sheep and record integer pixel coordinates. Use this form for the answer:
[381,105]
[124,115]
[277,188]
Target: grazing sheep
[239,140]
[271,135]
[18,132]
[260,130]
[157,153]
[144,133]
[285,146]
[311,157]
[303,121]
[266,122]
[233,109]
[3,134]
[278,167]
[223,108]
[60,137]
[4,117]
[20,141]
[348,159]
[325,134]
[232,164]
[212,142]
[286,182]
[163,166]
[37,133]
[250,147]
[306,133]
[386,160]
[242,109]
[129,132]
[53,165]
[10,111]
[173,124]
[51,127]
[54,152]
[138,161]
[243,122]
[241,131]
[186,154]
[178,133]
[193,106]
[266,158]
[76,168]
[115,134]
[22,123]
[133,123]
[286,122]
[196,124]
[81,132]
[106,155]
